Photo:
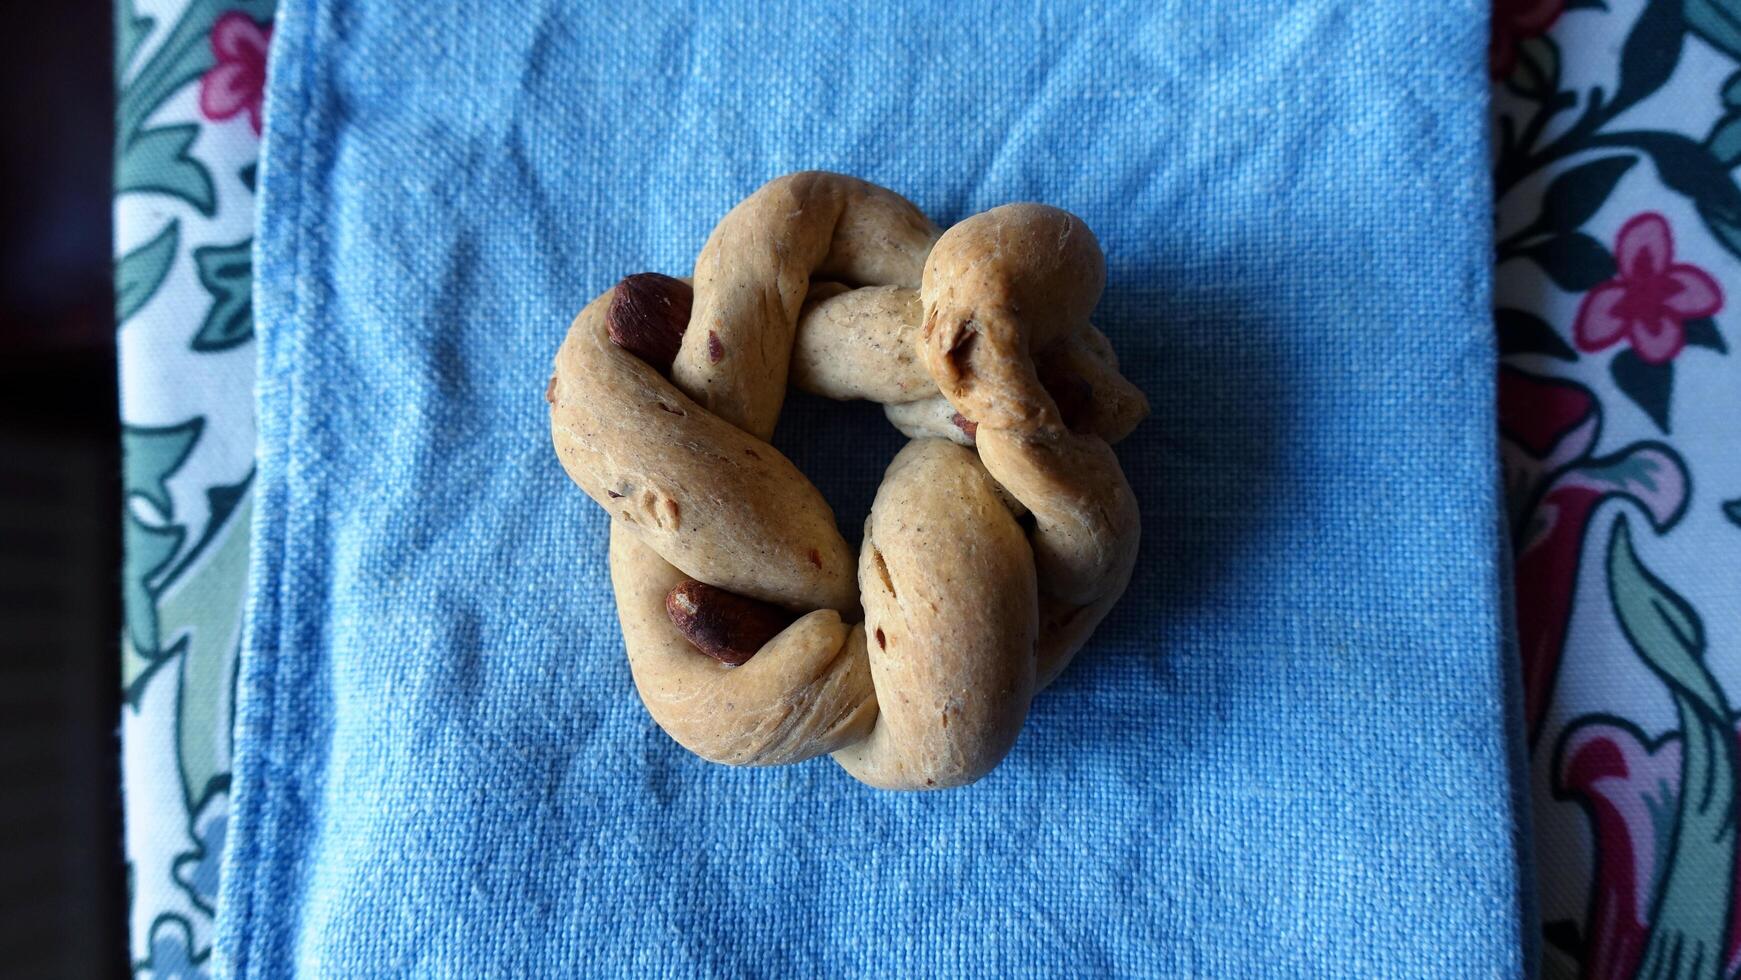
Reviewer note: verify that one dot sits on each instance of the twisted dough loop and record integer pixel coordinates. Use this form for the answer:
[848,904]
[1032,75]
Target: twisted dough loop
[965,338]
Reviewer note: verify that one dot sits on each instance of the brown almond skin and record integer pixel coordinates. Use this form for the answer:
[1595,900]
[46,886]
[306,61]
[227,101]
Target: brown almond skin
[648,316]
[726,626]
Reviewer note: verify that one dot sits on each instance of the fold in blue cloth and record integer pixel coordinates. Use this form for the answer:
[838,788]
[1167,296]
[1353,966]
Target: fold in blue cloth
[1288,751]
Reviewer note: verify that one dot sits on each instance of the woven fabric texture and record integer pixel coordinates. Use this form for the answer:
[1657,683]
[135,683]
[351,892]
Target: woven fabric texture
[1288,752]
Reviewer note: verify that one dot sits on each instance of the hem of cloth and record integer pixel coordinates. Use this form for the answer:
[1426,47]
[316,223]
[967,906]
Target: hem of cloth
[260,851]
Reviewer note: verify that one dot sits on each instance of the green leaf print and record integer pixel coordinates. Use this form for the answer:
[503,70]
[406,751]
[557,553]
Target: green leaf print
[200,611]
[227,273]
[147,551]
[1692,169]
[1727,231]
[1703,333]
[1650,53]
[150,456]
[182,57]
[131,30]
[1522,332]
[1650,386]
[1689,168]
[1688,927]
[1718,22]
[1575,195]
[1725,140]
[142,270]
[159,162]
[1732,510]
[135,666]
[1575,262]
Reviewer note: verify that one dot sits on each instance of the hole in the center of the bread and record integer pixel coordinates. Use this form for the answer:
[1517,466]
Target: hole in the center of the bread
[843,447]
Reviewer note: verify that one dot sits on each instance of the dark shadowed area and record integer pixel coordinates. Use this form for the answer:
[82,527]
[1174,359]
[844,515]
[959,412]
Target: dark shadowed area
[62,880]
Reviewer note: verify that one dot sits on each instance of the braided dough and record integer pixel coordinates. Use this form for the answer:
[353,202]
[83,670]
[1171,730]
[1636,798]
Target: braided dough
[1000,537]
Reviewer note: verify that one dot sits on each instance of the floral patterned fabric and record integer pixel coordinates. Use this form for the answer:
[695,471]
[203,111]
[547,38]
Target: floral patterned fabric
[190,75]
[1617,135]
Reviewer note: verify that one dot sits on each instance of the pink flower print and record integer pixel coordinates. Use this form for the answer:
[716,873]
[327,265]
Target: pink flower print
[1651,299]
[237,83]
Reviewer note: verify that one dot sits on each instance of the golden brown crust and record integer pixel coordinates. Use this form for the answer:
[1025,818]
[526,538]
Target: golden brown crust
[861,344]
[998,287]
[720,504]
[979,337]
[952,614]
[754,271]
[807,692]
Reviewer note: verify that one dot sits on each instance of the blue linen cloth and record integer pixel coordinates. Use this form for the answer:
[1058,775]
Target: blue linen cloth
[1288,752]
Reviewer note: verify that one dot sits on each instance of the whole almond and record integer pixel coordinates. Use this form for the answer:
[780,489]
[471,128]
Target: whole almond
[648,315]
[726,626]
